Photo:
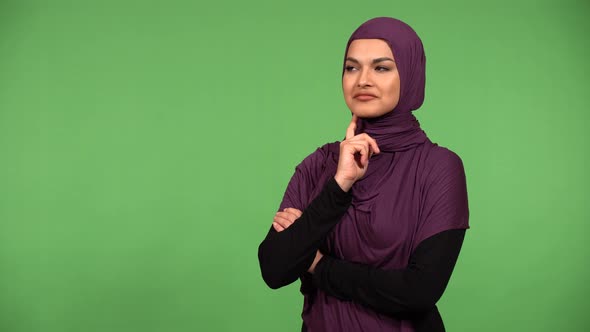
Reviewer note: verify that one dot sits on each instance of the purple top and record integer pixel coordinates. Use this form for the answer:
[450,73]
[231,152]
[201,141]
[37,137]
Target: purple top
[412,190]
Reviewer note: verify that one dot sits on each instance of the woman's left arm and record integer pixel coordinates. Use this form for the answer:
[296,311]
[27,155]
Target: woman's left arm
[412,290]
[419,286]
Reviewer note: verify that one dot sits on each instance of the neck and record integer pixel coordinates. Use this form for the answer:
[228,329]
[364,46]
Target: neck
[393,131]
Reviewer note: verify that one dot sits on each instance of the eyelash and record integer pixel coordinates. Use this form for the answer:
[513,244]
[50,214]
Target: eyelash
[378,69]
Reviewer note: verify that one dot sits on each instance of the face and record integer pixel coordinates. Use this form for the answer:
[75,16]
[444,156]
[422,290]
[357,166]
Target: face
[371,81]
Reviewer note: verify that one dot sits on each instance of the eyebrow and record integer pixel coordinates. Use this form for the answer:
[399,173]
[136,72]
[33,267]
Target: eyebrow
[374,60]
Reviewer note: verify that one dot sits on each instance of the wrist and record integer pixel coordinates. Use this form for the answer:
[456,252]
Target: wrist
[344,184]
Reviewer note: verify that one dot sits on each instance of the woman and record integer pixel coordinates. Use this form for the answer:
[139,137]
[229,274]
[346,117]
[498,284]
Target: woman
[373,225]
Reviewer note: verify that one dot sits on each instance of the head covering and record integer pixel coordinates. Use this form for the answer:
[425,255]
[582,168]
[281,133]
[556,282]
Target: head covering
[409,56]
[412,190]
[397,130]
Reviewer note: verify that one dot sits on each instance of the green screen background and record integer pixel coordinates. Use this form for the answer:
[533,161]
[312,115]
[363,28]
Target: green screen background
[145,147]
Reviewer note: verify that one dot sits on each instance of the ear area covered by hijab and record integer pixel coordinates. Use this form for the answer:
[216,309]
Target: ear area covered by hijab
[398,130]
[408,51]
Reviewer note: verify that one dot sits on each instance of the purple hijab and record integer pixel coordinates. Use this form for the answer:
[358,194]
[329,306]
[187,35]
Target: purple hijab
[411,191]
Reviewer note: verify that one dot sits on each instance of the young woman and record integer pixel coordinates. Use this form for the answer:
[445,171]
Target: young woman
[373,225]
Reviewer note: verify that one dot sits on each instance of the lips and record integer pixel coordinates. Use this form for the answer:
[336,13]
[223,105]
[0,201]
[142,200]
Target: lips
[364,96]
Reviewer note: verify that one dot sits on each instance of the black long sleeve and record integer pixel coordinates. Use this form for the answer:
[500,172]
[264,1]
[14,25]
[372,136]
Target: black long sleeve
[285,256]
[409,293]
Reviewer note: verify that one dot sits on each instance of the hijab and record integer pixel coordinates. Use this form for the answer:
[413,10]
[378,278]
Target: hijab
[397,130]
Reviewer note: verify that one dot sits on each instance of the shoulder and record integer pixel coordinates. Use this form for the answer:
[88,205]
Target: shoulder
[320,156]
[309,175]
[442,161]
[321,161]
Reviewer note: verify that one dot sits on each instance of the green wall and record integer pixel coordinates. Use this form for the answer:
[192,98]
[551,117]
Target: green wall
[145,147]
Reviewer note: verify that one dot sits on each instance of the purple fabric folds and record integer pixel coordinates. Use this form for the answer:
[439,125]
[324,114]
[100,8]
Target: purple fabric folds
[411,191]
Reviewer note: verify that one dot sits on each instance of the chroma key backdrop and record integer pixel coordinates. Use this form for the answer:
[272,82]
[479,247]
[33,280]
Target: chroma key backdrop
[145,147]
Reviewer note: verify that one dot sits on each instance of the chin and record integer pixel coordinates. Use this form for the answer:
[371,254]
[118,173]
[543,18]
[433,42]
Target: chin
[369,114]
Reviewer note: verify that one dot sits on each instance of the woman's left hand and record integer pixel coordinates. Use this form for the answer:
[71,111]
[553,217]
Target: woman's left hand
[284,219]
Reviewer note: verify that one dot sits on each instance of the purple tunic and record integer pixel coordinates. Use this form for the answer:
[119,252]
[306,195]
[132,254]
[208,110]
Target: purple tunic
[411,191]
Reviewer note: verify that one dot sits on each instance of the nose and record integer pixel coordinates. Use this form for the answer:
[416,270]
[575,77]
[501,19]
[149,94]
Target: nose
[364,79]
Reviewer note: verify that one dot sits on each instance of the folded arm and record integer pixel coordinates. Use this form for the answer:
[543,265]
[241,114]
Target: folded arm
[285,256]
[414,289]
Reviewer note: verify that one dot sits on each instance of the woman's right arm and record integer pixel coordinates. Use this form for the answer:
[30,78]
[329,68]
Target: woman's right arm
[285,256]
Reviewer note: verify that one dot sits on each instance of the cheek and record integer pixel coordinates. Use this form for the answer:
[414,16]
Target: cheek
[391,98]
[394,88]
[347,88]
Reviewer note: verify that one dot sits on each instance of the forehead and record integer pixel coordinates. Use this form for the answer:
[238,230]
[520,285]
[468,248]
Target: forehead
[369,48]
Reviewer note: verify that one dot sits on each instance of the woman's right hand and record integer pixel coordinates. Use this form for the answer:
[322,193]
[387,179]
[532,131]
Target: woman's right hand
[355,152]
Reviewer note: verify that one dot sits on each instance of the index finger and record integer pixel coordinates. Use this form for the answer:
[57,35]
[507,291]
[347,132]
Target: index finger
[351,127]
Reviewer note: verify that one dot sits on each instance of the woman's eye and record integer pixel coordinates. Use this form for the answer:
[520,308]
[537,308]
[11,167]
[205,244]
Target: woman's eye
[381,68]
[349,68]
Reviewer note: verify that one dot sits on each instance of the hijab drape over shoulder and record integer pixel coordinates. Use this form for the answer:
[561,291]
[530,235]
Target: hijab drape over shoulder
[397,130]
[411,191]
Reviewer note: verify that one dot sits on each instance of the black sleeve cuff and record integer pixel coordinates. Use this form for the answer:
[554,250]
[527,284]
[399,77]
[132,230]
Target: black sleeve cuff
[329,206]
[321,278]
[340,197]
